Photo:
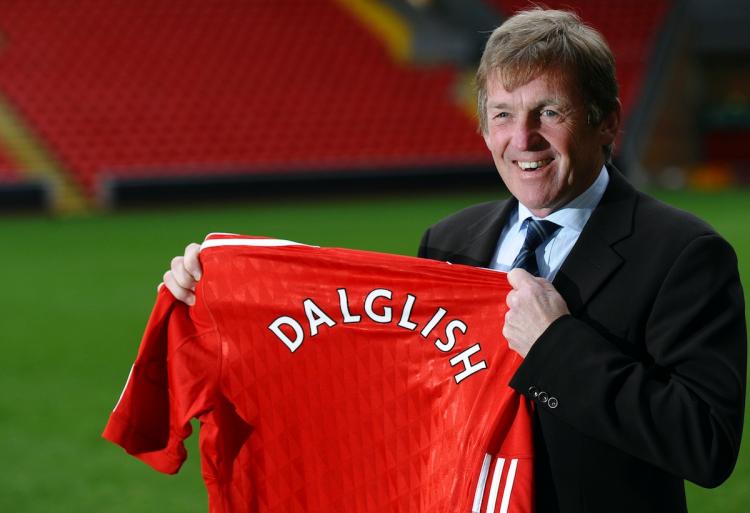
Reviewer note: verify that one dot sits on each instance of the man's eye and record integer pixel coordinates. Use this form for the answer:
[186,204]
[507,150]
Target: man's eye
[501,115]
[549,113]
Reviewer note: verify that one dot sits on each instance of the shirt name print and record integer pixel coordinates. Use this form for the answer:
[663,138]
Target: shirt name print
[378,307]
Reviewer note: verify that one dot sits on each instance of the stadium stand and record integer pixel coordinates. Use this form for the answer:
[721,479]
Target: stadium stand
[157,88]
[8,168]
[162,93]
[17,192]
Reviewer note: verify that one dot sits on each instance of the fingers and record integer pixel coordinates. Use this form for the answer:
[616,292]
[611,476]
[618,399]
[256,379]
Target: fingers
[533,305]
[522,281]
[181,293]
[191,263]
[514,333]
[518,277]
[183,275]
[180,290]
[507,323]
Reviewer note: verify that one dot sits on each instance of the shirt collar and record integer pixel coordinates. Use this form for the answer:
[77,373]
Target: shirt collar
[577,211]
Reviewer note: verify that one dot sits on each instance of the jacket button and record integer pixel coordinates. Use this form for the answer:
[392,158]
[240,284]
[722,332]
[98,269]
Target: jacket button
[552,402]
[542,397]
[533,391]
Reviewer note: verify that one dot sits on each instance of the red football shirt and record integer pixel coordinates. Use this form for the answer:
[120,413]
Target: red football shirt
[333,380]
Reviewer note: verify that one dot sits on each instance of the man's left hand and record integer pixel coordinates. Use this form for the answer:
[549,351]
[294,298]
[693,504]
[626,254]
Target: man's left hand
[533,305]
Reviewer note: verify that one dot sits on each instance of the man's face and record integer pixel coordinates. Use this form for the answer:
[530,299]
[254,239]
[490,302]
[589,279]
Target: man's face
[543,147]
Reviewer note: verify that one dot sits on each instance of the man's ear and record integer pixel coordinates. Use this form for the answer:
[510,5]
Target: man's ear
[610,125]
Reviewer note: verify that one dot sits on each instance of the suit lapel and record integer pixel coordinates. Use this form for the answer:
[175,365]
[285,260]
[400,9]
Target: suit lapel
[593,259]
[482,236]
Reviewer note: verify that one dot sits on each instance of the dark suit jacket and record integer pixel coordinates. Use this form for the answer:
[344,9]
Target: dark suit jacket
[648,371]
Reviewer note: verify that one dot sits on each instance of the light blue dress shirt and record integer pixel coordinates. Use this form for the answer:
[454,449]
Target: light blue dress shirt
[550,255]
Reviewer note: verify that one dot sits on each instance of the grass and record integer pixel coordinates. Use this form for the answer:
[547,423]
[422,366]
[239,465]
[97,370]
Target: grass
[75,296]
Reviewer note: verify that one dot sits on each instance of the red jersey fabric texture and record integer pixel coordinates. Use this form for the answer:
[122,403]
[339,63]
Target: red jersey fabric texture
[333,380]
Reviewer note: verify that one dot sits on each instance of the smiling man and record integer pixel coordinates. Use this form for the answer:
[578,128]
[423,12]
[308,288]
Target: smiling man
[629,313]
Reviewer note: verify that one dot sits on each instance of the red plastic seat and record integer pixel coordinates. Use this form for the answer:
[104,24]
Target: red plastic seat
[155,88]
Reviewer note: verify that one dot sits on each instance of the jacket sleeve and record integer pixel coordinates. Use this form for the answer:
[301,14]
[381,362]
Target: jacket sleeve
[423,251]
[681,407]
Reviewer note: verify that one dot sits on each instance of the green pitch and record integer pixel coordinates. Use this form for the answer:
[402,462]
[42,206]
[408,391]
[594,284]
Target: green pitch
[75,297]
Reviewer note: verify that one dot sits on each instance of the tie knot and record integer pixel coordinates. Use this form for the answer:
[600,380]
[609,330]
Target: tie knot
[538,232]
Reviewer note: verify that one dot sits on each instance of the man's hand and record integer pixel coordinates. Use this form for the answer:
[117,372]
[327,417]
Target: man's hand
[534,304]
[184,274]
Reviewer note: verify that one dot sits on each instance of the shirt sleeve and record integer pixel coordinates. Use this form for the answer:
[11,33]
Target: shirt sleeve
[172,380]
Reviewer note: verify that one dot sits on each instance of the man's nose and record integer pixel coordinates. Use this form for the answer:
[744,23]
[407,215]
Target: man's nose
[526,134]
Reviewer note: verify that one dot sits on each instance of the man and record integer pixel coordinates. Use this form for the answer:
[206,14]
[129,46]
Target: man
[629,313]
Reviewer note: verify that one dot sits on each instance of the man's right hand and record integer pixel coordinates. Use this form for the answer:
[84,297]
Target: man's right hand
[184,274]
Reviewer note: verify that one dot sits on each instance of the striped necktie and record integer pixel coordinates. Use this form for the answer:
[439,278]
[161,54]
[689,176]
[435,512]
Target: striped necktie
[537,233]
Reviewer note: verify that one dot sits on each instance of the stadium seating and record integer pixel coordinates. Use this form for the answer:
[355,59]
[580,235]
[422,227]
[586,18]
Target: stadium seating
[160,88]
[8,168]
[154,88]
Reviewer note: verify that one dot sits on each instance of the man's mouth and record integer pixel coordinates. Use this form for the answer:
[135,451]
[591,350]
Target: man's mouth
[531,165]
